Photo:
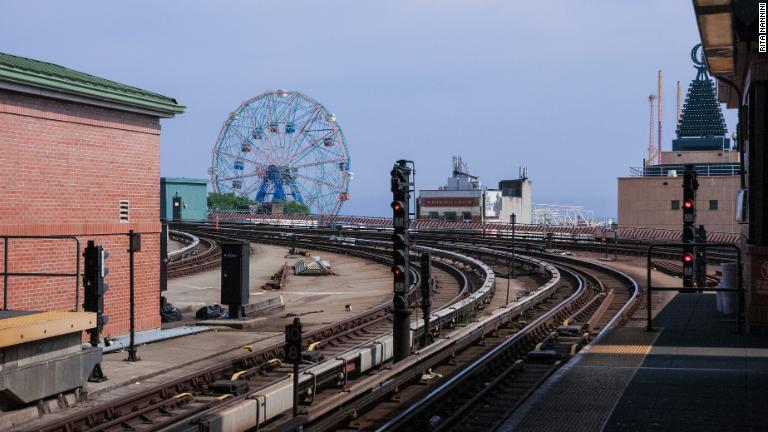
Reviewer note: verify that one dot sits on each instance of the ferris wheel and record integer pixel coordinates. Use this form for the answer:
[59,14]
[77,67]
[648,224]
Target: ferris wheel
[283,146]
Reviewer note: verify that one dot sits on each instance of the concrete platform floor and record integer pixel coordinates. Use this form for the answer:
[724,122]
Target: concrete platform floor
[320,299]
[694,373]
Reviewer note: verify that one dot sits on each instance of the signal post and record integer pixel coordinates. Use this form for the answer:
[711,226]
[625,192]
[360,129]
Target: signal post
[94,287]
[400,186]
[690,185]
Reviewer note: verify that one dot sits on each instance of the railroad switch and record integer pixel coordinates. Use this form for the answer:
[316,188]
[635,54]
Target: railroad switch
[570,330]
[222,387]
[311,356]
[543,356]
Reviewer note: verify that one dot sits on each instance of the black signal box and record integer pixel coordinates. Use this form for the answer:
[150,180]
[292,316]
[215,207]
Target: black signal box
[235,259]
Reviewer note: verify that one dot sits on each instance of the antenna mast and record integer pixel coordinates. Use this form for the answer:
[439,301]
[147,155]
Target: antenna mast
[661,95]
[677,119]
[651,147]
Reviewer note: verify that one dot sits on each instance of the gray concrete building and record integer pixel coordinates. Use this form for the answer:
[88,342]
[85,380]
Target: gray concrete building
[463,199]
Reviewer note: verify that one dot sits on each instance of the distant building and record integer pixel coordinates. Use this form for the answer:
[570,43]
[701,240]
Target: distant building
[463,199]
[651,196]
[183,199]
[516,199]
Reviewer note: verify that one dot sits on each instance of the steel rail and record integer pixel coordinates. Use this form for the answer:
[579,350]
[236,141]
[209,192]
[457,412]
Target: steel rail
[480,363]
[180,385]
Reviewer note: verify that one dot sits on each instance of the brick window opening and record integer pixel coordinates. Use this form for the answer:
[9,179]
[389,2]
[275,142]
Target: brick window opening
[675,204]
[467,216]
[450,216]
[124,211]
[713,204]
[434,215]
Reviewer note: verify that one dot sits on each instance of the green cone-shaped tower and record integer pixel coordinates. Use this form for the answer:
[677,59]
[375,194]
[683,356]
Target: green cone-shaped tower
[702,126]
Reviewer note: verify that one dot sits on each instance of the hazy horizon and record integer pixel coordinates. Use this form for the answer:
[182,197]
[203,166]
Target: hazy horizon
[561,87]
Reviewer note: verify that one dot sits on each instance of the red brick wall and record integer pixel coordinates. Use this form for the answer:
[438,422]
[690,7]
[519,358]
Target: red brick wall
[64,167]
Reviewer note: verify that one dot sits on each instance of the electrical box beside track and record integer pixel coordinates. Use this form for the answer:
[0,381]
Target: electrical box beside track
[235,259]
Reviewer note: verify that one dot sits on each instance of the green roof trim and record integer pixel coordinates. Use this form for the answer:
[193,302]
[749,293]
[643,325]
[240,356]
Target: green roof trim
[33,73]
[183,180]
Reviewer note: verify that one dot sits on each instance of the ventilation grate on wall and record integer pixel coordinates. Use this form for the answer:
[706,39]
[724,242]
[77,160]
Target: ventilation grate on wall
[124,211]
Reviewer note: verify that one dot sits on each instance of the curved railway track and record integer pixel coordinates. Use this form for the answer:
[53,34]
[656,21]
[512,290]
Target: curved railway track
[202,254]
[214,386]
[481,395]
[597,303]
[522,343]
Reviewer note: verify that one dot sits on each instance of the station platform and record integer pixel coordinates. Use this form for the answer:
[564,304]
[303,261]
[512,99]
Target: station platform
[692,373]
[41,355]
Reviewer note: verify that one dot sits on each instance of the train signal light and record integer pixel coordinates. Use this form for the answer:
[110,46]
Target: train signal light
[398,271]
[94,287]
[690,185]
[103,269]
[688,270]
[293,341]
[400,187]
[293,355]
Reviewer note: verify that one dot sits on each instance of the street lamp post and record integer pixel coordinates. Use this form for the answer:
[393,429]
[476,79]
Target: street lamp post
[513,219]
[511,262]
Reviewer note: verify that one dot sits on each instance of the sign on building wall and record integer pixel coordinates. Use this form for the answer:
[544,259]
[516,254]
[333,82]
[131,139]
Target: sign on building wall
[492,204]
[449,202]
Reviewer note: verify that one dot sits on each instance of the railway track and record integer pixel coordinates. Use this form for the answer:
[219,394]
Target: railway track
[481,395]
[203,254]
[596,306]
[216,385]
[337,389]
[488,378]
[524,240]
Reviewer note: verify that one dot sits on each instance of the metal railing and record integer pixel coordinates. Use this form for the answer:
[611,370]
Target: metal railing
[7,274]
[704,170]
[738,289]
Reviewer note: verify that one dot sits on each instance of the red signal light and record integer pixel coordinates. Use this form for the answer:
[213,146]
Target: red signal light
[688,204]
[397,271]
[687,258]
[397,206]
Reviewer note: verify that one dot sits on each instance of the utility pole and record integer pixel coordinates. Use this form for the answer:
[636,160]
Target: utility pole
[426,293]
[512,274]
[400,187]
[509,278]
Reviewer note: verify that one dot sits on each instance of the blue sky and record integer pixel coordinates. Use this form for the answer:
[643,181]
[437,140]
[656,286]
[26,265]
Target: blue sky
[560,87]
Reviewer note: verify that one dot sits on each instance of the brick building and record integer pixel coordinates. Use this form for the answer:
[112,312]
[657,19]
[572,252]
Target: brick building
[79,156]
